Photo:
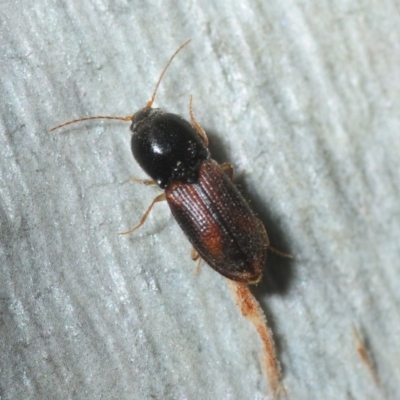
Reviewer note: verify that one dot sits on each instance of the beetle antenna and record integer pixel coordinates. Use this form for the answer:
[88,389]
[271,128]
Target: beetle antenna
[128,118]
[153,97]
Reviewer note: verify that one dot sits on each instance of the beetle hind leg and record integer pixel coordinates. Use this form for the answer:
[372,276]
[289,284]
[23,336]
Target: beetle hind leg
[267,244]
[278,252]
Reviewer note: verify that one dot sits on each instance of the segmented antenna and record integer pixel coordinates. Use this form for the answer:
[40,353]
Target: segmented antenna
[129,117]
[153,97]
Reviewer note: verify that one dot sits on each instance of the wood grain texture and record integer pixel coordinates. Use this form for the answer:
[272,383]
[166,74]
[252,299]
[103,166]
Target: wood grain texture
[302,97]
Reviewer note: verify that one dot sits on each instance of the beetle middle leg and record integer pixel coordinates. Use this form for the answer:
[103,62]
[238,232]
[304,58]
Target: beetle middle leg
[196,257]
[159,198]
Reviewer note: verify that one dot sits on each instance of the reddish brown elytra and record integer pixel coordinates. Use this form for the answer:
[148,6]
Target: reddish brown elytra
[206,204]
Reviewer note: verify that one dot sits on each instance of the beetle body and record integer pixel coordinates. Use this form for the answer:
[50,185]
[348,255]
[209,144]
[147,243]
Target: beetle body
[206,204]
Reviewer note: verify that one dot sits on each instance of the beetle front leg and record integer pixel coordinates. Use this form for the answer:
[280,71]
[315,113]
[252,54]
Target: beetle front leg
[147,182]
[196,125]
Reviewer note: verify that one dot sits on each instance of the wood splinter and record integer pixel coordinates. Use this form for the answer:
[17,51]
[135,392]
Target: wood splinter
[251,310]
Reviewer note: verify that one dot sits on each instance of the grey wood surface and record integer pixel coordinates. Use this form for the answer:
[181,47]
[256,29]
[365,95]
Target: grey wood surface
[302,97]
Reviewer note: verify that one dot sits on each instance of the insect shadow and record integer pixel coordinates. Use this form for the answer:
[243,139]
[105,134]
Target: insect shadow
[278,272]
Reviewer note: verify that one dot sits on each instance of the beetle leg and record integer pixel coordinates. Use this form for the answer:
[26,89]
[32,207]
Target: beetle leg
[198,267]
[251,309]
[280,253]
[196,125]
[147,182]
[196,256]
[228,169]
[268,245]
[160,197]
